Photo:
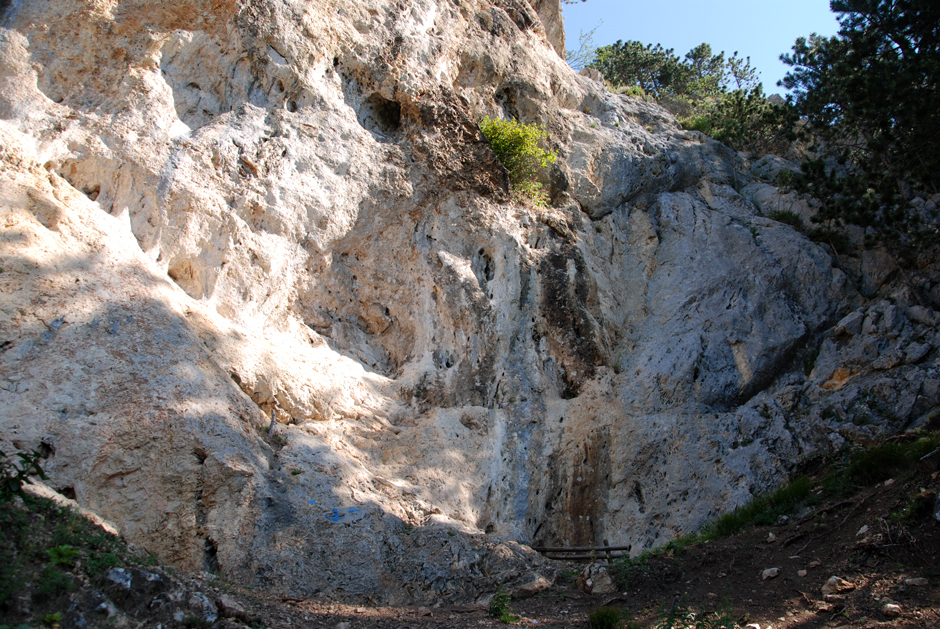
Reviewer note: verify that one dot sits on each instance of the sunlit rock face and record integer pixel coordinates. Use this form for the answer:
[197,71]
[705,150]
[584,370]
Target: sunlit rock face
[213,211]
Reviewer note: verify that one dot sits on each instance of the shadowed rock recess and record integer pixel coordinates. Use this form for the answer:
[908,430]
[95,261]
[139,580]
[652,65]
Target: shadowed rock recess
[216,210]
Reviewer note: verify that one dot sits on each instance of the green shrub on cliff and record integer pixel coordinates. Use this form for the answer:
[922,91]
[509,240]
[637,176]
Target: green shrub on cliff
[516,145]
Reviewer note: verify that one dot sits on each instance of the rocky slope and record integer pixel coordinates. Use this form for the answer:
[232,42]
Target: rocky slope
[213,211]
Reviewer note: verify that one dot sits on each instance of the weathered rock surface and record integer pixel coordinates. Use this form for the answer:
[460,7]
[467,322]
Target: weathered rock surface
[211,211]
[595,580]
[836,585]
[891,610]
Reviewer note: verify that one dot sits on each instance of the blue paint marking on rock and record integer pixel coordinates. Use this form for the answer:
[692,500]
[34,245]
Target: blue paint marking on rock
[336,517]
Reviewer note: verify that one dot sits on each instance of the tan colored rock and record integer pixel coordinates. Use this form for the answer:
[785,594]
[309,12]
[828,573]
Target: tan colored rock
[836,585]
[891,610]
[532,585]
[595,580]
[230,608]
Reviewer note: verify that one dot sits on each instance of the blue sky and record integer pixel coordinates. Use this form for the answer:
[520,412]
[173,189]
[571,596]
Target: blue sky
[761,29]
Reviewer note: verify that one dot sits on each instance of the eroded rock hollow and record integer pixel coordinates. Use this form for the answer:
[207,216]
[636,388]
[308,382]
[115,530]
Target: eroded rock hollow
[212,211]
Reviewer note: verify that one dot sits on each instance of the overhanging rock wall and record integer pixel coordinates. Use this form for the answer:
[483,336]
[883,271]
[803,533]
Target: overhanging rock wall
[212,210]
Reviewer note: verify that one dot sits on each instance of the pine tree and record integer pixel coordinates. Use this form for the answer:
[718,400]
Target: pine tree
[871,96]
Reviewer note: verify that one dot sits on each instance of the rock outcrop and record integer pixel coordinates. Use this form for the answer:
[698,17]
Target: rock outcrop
[212,212]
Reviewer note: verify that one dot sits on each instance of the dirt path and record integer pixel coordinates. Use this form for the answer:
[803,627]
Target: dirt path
[883,554]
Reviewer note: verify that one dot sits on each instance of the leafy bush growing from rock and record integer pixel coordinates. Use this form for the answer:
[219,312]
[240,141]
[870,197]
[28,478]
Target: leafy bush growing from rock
[13,476]
[517,147]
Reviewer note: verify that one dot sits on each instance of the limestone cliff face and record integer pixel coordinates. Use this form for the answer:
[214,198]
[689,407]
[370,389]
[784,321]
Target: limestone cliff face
[216,210]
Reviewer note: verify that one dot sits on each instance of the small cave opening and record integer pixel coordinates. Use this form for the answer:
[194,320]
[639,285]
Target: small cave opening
[378,114]
[211,557]
[483,267]
[505,97]
[638,494]
[92,191]
[442,359]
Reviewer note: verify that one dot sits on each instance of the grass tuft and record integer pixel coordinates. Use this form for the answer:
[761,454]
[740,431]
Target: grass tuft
[501,609]
[890,459]
[789,218]
[763,510]
[605,618]
[51,583]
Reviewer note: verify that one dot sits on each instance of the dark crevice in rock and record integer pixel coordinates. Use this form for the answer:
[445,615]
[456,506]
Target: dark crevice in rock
[211,557]
[570,328]
[380,115]
[483,268]
[46,448]
[92,191]
[520,13]
[506,99]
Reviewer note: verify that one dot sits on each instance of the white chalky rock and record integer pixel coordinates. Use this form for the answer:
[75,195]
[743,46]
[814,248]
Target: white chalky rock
[891,610]
[210,211]
[835,585]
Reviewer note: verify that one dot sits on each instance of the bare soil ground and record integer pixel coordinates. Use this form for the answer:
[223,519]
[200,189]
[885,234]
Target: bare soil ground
[883,563]
[883,540]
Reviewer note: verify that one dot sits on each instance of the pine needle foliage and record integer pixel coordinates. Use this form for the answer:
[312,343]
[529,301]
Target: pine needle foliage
[719,95]
[871,97]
